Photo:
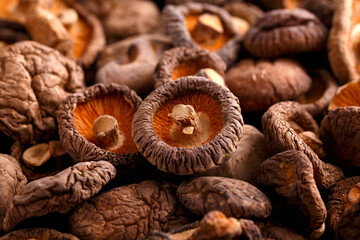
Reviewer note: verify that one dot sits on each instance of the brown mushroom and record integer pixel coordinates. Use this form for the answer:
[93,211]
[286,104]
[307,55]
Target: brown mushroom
[207,109]
[183,61]
[132,62]
[346,95]
[322,90]
[290,175]
[281,125]
[259,84]
[349,225]
[341,134]
[58,193]
[38,233]
[128,212]
[233,197]
[203,25]
[112,107]
[285,31]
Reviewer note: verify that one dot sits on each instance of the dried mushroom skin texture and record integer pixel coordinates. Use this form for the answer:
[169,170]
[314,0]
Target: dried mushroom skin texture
[343,41]
[215,32]
[290,175]
[284,31]
[349,224]
[162,140]
[132,61]
[128,212]
[322,90]
[38,233]
[346,95]
[184,61]
[338,201]
[35,79]
[11,182]
[233,197]
[281,124]
[260,83]
[76,118]
[58,193]
[340,132]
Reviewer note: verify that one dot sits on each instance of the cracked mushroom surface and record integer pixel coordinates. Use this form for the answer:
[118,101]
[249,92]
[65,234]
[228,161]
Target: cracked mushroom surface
[129,212]
[96,125]
[288,126]
[340,133]
[290,175]
[205,26]
[283,31]
[38,233]
[58,193]
[184,61]
[346,96]
[132,61]
[35,79]
[188,125]
[233,197]
[260,83]
[12,181]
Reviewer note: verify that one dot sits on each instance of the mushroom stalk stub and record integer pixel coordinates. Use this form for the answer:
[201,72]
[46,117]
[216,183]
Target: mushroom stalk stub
[185,117]
[107,133]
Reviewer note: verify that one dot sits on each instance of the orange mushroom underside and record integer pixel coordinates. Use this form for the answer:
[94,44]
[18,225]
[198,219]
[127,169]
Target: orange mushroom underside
[201,102]
[348,95]
[187,69]
[114,105]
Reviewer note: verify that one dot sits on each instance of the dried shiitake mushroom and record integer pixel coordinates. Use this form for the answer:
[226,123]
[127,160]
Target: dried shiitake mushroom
[34,80]
[290,175]
[58,193]
[11,182]
[322,90]
[349,225]
[288,126]
[188,125]
[184,61]
[341,135]
[346,95]
[260,83]
[96,125]
[233,197]
[132,61]
[38,233]
[128,212]
[285,31]
[203,25]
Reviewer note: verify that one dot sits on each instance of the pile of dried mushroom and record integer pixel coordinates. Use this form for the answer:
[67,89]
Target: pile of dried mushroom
[180,119]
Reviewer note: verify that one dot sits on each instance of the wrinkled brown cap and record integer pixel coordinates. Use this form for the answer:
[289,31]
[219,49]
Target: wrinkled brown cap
[35,79]
[346,95]
[128,212]
[341,134]
[220,112]
[284,31]
[259,84]
[58,193]
[278,123]
[38,233]
[183,61]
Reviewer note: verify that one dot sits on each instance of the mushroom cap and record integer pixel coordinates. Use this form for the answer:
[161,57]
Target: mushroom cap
[35,79]
[184,61]
[38,233]
[349,224]
[132,61]
[151,125]
[176,24]
[75,129]
[340,132]
[259,84]
[280,136]
[60,192]
[285,31]
[244,10]
[233,197]
[346,95]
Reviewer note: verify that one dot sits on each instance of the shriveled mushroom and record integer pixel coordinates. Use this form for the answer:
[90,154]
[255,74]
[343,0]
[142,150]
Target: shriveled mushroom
[58,193]
[284,31]
[260,84]
[347,95]
[282,123]
[203,25]
[38,233]
[184,61]
[217,128]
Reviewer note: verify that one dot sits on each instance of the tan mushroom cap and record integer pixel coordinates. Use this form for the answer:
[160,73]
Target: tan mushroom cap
[346,96]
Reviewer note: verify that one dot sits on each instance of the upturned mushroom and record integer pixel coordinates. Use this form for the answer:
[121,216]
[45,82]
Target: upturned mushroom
[188,125]
[346,96]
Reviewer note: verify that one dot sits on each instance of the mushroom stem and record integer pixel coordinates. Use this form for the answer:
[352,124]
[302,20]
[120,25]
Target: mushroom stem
[107,133]
[185,117]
